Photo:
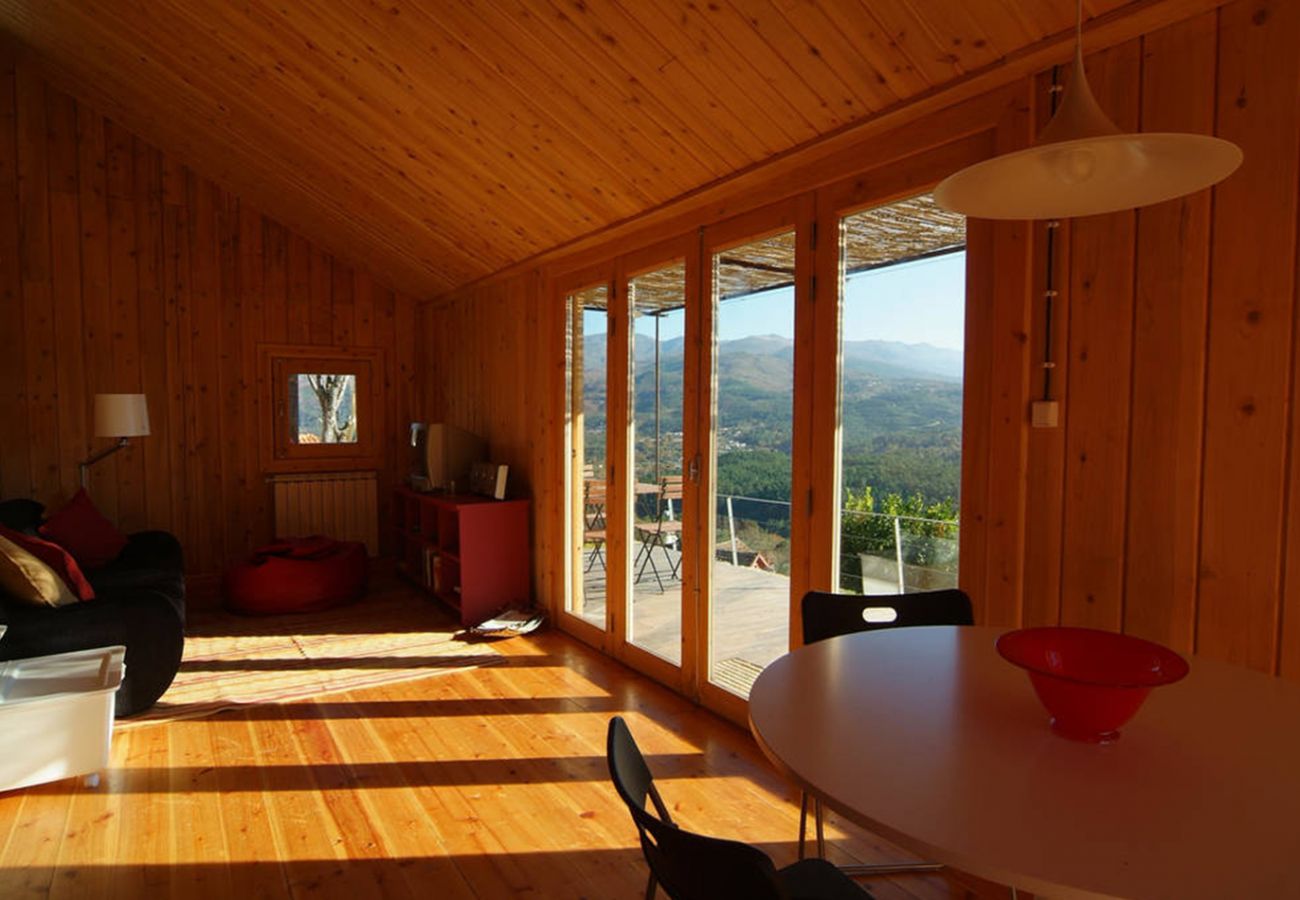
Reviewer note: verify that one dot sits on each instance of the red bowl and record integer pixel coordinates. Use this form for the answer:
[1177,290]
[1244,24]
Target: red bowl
[1091,681]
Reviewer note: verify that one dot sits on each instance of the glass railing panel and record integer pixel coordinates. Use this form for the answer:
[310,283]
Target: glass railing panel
[884,554]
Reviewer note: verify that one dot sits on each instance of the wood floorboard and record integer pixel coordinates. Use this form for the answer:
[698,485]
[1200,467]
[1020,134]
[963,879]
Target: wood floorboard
[405,827]
[488,783]
[198,828]
[245,817]
[41,820]
[305,835]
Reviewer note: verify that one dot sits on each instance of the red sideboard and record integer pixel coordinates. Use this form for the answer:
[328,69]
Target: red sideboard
[470,552]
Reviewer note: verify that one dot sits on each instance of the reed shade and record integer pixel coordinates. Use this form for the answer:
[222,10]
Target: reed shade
[1084,165]
[899,232]
[886,235]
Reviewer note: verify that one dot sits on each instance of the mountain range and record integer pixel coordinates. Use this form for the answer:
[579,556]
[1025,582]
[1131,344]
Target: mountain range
[900,410]
[883,359]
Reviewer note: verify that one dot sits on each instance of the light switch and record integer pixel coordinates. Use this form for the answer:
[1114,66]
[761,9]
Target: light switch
[1043,413]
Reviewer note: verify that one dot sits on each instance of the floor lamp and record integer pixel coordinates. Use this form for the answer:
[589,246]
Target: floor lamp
[121,416]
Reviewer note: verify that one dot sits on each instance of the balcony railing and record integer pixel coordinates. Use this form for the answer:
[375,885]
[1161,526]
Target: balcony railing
[880,552]
[883,551]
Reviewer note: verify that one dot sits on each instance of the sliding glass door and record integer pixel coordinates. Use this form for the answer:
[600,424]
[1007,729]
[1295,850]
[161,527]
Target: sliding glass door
[903,291]
[752,555]
[738,436]
[680,390]
[632,426]
[753,306]
[888,388]
[586,395]
[658,356]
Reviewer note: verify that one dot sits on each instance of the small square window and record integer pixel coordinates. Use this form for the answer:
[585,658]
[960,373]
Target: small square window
[325,409]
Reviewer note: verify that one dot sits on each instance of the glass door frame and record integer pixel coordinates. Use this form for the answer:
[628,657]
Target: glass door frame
[797,214]
[563,288]
[614,275]
[876,187]
[910,161]
[622,495]
[815,476]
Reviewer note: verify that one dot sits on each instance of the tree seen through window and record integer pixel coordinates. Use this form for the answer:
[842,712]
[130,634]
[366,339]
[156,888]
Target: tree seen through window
[327,411]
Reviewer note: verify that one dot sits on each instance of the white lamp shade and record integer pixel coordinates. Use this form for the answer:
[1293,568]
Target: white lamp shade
[121,415]
[1089,176]
[1083,165]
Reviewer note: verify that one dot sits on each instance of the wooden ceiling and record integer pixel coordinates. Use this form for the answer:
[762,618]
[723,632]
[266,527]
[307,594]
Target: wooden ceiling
[436,143]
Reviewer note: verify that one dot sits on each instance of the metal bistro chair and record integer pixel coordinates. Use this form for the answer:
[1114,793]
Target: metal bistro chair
[664,531]
[593,522]
[695,867]
[826,615]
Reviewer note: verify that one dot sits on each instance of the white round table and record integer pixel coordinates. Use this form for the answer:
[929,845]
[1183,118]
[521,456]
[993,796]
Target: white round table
[927,737]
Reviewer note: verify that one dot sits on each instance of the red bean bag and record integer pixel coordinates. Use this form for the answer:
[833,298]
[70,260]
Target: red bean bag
[297,575]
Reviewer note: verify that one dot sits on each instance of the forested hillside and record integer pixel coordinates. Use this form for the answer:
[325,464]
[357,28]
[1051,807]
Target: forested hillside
[901,414]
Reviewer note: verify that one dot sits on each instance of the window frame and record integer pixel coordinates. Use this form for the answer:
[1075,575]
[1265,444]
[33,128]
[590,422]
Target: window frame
[277,363]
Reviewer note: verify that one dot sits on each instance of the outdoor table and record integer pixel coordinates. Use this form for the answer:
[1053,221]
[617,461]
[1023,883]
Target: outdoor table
[927,737]
[595,492]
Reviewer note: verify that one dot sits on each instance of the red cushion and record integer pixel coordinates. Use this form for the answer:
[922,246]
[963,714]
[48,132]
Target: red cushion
[279,580]
[83,531]
[57,558]
[317,546]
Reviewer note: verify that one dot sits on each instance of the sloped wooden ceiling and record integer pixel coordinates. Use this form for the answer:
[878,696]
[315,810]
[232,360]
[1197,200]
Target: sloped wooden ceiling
[439,142]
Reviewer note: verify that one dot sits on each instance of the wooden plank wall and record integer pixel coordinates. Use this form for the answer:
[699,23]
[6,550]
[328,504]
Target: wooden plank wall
[1163,504]
[121,270]
[488,363]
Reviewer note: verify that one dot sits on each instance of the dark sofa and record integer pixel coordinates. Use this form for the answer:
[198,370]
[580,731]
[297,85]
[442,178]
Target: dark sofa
[139,603]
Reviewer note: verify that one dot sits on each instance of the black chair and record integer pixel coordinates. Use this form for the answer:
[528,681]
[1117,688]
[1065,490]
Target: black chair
[826,615]
[695,867]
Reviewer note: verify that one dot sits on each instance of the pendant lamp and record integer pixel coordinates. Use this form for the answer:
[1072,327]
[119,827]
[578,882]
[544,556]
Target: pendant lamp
[1083,164]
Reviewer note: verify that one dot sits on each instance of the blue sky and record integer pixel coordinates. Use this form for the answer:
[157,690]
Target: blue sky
[920,302]
[916,303]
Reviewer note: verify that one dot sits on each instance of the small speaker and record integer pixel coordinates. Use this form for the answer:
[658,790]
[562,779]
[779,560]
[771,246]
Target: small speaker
[488,479]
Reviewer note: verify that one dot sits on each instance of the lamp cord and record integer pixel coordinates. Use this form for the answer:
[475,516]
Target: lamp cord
[1049,295]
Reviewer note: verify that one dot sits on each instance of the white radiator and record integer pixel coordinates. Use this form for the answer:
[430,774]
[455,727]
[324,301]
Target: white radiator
[341,505]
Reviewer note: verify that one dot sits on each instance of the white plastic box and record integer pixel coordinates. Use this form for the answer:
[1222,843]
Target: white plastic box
[56,715]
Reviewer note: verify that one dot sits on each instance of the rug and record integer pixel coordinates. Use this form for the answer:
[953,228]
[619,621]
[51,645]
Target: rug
[235,661]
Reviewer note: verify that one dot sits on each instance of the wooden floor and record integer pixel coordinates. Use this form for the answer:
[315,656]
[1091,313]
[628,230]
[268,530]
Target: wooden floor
[486,783]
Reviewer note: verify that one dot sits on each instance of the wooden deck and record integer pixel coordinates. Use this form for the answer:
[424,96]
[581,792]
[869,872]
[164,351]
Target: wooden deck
[489,783]
[750,616]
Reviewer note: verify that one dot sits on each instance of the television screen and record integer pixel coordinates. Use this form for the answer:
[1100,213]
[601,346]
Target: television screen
[443,455]
[419,461]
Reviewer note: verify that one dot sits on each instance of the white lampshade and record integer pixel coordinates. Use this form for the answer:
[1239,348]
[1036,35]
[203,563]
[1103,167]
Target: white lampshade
[1083,165]
[121,415]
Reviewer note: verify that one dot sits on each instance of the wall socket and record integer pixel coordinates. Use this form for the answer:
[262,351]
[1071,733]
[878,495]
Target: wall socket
[1044,413]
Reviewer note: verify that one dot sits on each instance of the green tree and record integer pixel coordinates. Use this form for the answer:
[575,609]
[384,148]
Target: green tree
[928,528]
